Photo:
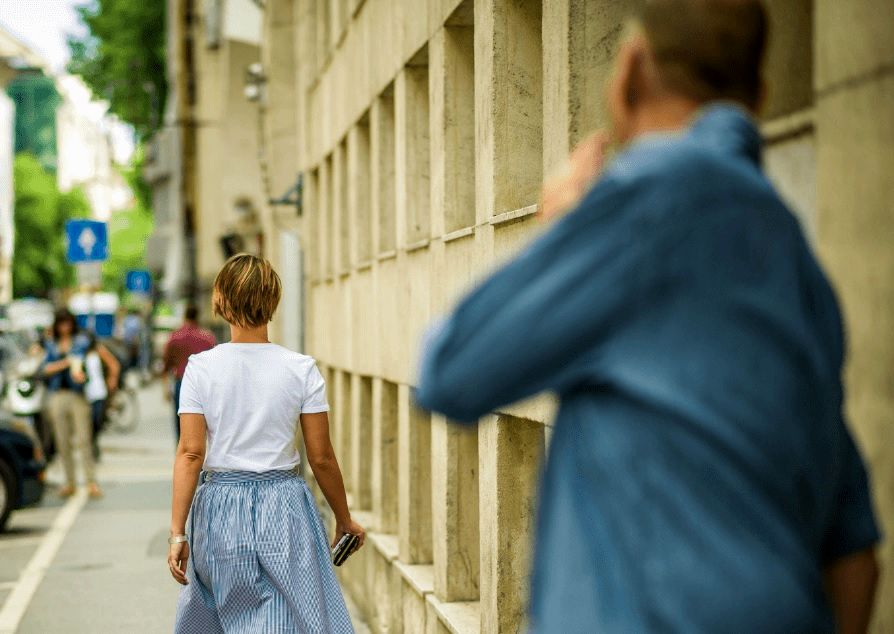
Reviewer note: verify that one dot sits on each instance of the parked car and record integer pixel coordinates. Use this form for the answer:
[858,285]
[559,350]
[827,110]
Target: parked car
[22,466]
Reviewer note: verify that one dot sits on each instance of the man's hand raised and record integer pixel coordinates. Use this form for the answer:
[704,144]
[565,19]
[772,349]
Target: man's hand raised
[564,189]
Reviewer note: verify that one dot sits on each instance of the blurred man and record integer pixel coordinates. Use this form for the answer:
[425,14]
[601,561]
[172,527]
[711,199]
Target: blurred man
[701,477]
[131,333]
[189,339]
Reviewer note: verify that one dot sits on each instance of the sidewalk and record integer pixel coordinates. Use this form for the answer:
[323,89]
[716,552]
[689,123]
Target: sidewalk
[109,573]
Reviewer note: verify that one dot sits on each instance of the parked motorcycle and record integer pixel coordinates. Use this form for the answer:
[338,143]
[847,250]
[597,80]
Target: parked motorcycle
[25,396]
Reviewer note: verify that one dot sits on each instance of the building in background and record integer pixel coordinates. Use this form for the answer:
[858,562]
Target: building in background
[14,57]
[73,136]
[422,130]
[204,164]
[169,252]
[91,147]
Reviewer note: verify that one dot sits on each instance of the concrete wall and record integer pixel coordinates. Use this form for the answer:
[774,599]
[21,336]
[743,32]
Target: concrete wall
[854,88]
[423,129]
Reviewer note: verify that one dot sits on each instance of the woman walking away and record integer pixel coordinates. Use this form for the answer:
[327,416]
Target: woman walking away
[68,409]
[259,561]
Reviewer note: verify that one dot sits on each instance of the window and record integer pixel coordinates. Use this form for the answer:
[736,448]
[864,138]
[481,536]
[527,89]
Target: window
[385,459]
[343,211]
[314,221]
[361,442]
[343,425]
[414,469]
[411,113]
[360,189]
[327,201]
[456,100]
[455,530]
[519,152]
[382,136]
[511,450]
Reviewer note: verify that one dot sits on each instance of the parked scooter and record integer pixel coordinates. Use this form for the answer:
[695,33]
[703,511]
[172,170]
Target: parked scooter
[25,396]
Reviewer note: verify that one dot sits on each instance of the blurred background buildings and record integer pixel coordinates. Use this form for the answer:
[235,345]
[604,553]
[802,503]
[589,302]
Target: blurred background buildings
[405,141]
[67,153]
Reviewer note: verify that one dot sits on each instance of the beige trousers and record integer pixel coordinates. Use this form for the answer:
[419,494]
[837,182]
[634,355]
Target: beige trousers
[70,415]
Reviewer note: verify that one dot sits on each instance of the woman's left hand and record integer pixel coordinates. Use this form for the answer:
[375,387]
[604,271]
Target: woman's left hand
[353,528]
[178,554]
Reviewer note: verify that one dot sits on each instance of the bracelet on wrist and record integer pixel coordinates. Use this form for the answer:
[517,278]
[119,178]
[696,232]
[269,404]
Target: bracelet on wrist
[177,539]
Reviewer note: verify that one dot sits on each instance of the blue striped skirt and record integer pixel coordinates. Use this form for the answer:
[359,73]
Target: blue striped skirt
[259,560]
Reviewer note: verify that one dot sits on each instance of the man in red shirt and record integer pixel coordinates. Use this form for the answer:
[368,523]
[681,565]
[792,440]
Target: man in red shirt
[189,339]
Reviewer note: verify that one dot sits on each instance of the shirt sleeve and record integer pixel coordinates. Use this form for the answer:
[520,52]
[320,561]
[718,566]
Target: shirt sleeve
[168,356]
[852,526]
[190,392]
[536,324]
[314,392]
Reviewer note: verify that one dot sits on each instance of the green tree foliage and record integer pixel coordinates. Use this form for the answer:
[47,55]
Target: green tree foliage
[41,211]
[36,102]
[123,58]
[128,232]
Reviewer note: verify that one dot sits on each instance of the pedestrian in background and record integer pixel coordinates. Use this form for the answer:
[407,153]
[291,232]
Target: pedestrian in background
[68,409]
[701,477]
[102,371]
[258,550]
[131,334]
[187,340]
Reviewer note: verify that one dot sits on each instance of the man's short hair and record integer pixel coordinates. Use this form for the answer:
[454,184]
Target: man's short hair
[246,291]
[191,313]
[709,50]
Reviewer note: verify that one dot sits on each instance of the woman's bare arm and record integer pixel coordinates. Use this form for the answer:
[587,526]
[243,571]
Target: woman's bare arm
[322,460]
[187,465]
[112,365]
[850,585]
[55,367]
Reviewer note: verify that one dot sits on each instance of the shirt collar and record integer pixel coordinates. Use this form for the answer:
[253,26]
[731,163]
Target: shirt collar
[730,129]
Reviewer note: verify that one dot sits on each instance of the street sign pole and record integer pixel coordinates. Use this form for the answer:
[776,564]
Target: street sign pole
[87,248]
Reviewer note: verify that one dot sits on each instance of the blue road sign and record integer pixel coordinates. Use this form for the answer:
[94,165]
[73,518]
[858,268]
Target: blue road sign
[139,281]
[87,241]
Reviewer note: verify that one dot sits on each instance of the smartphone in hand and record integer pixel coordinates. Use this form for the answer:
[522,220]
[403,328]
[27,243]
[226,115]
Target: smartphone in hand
[344,548]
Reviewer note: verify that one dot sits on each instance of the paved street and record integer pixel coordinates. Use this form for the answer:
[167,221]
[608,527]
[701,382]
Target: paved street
[108,574]
[85,566]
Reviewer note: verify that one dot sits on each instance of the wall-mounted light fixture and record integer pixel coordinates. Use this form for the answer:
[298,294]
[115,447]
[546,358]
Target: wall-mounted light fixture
[293,196]
[255,82]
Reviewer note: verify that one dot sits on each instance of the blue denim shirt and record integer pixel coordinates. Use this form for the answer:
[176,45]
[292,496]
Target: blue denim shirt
[700,473]
[63,380]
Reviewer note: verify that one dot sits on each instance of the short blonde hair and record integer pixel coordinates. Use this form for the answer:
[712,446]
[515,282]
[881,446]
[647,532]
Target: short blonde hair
[246,291]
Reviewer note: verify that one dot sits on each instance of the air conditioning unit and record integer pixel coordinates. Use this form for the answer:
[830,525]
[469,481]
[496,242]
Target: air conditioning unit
[213,20]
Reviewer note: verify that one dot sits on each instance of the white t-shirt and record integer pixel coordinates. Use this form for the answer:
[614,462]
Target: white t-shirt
[251,395]
[95,389]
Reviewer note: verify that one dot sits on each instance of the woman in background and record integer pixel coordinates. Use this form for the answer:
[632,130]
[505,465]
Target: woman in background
[68,409]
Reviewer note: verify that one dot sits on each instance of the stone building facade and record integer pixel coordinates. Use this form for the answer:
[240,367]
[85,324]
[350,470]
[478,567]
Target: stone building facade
[421,130]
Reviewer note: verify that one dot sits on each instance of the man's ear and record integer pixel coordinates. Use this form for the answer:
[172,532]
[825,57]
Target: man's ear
[625,88]
[624,92]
